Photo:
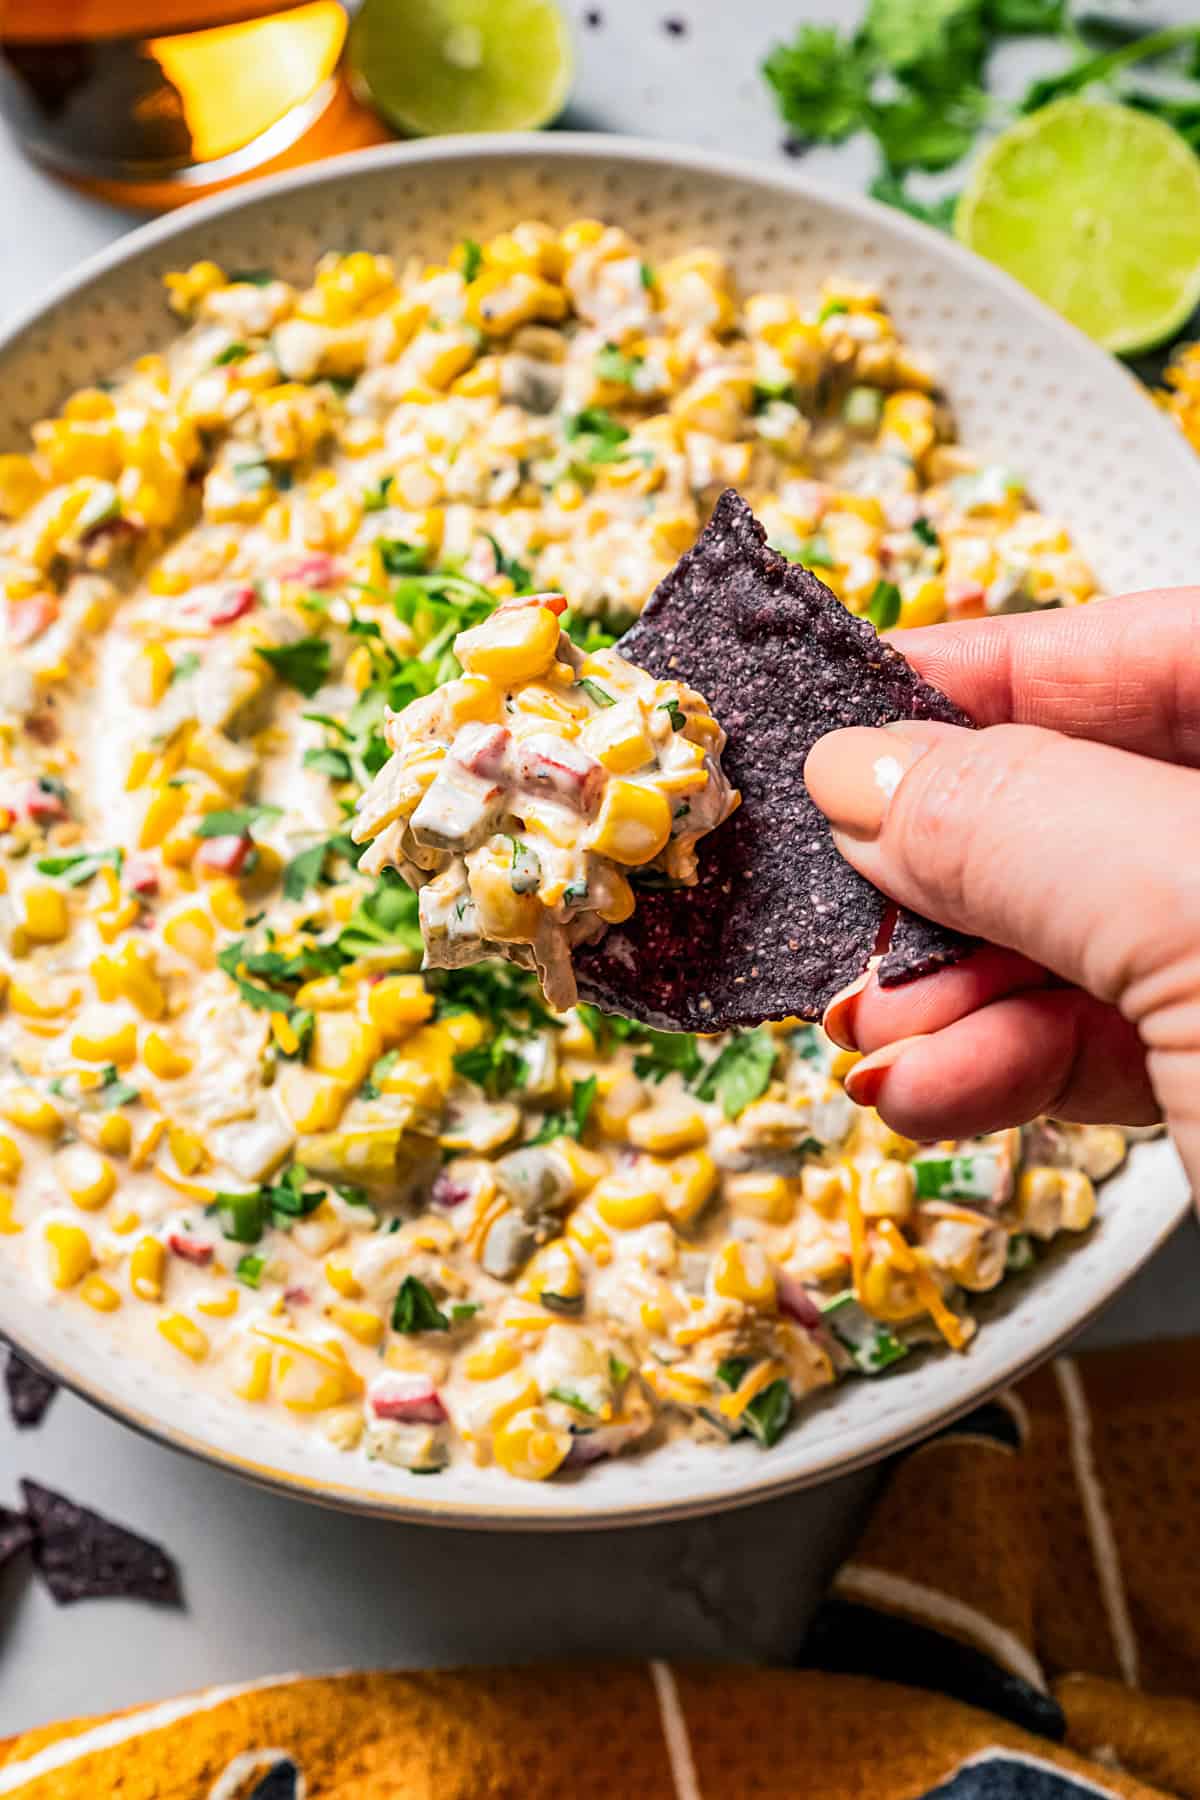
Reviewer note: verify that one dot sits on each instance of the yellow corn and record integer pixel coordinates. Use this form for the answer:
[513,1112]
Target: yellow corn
[253,1381]
[397,1004]
[187,1148]
[528,1447]
[164,1059]
[26,1108]
[626,1203]
[45,918]
[191,932]
[184,1335]
[512,646]
[311,1101]
[99,1294]
[219,1306]
[115,1134]
[494,1356]
[10,1226]
[743,1272]
[130,976]
[147,1268]
[363,1325]
[69,1250]
[633,825]
[151,675]
[672,1125]
[88,1178]
[342,1280]
[116,1043]
[761,1195]
[344,1047]
[689,1182]
[167,806]
[11,1160]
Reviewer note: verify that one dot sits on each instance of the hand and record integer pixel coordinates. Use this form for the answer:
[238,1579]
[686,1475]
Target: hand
[1066,833]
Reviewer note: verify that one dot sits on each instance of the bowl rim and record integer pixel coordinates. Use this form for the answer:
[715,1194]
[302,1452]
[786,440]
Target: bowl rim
[557,146]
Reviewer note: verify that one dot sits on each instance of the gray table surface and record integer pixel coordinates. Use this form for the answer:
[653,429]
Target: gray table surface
[274,1584]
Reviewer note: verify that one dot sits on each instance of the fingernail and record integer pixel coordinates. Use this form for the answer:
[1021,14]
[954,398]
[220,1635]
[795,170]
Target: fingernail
[838,1019]
[865,1080]
[852,775]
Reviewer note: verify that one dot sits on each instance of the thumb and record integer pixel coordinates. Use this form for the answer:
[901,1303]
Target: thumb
[1080,856]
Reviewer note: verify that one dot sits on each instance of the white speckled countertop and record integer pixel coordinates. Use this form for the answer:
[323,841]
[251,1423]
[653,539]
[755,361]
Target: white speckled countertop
[272,1584]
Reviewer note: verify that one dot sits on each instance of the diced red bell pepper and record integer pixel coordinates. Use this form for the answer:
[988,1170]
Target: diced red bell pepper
[555,603]
[316,570]
[141,875]
[42,804]
[549,764]
[191,1249]
[795,1301]
[234,603]
[228,854]
[481,749]
[411,1398]
[28,618]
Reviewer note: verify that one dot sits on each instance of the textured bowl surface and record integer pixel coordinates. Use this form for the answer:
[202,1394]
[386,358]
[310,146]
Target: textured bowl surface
[1027,390]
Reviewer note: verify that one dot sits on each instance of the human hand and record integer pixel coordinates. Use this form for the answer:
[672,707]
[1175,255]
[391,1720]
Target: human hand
[1066,833]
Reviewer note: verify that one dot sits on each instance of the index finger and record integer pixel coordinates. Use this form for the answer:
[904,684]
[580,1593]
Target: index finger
[1124,672]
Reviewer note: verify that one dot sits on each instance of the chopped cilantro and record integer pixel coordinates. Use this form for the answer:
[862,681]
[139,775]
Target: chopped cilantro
[740,1072]
[399,558]
[883,610]
[81,865]
[236,821]
[570,1398]
[415,1309]
[646,274]
[618,1371]
[334,763]
[289,1199]
[830,310]
[1019,1255]
[674,712]
[595,693]
[372,1086]
[242,1216]
[185,667]
[925,533]
[470,259]
[230,354]
[517,572]
[251,278]
[249,1268]
[595,436]
[375,499]
[526,868]
[612,364]
[386,918]
[463,1310]
[303,665]
[662,1053]
[573,1123]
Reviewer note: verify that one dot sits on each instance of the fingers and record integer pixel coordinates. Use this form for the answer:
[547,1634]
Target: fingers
[866,1016]
[1078,856]
[1055,1051]
[1123,672]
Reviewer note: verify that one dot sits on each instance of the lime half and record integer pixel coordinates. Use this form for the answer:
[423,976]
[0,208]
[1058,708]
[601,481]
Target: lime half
[431,66]
[1096,208]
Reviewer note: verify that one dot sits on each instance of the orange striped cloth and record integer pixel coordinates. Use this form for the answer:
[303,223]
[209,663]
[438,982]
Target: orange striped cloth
[1021,1621]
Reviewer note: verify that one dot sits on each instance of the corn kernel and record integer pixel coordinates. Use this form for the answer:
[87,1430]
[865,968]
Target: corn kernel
[115,1134]
[925,605]
[887,1191]
[759,1194]
[41,1002]
[191,932]
[88,1178]
[363,1325]
[27,1109]
[9,1224]
[69,1251]
[344,1047]
[671,1125]
[511,646]
[11,1160]
[151,675]
[342,1280]
[397,1004]
[312,1102]
[494,1356]
[528,1447]
[184,1335]
[167,806]
[743,1272]
[98,1043]
[99,1294]
[633,825]
[626,1203]
[219,1306]
[164,1059]
[147,1268]
[187,1148]
[130,976]
[45,918]
[688,1183]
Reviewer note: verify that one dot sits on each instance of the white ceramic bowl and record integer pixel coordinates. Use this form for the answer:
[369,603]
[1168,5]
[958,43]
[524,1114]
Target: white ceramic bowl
[1027,389]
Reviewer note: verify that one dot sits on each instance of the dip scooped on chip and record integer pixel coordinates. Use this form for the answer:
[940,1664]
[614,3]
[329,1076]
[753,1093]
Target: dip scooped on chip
[518,797]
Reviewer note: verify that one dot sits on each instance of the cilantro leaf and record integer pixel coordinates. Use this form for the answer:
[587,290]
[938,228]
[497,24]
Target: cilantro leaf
[596,694]
[740,1072]
[80,866]
[674,712]
[375,499]
[303,665]
[570,1398]
[883,609]
[518,572]
[236,821]
[573,1123]
[822,84]
[928,132]
[890,188]
[386,918]
[399,558]
[415,1309]
[334,763]
[185,667]
[938,45]
[662,1053]
[612,364]
[470,257]
[595,436]
[249,1269]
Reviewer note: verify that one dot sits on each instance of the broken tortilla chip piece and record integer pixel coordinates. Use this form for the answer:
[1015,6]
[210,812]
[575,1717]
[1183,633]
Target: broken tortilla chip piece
[779,922]
[16,1534]
[29,1391]
[82,1556]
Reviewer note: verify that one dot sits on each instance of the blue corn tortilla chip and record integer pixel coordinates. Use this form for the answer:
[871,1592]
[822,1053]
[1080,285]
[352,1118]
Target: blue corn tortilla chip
[16,1534]
[778,922]
[29,1391]
[82,1556]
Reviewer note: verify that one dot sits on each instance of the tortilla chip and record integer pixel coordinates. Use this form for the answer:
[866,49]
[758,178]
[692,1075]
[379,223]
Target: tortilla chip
[778,922]
[81,1556]
[919,947]
[29,1391]
[16,1534]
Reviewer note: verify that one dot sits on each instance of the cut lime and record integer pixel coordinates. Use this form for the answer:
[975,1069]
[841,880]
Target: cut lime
[431,66]
[1096,208]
